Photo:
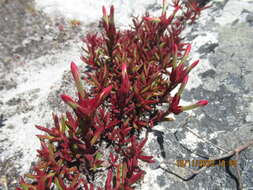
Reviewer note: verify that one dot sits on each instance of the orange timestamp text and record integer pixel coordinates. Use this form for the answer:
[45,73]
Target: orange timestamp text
[206,163]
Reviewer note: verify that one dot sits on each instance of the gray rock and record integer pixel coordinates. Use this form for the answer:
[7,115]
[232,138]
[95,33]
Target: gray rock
[249,18]
[7,84]
[227,83]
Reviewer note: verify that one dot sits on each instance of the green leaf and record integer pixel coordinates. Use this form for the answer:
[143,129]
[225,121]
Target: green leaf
[57,183]
[63,126]
[99,155]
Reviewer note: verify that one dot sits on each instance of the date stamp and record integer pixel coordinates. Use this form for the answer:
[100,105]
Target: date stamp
[206,163]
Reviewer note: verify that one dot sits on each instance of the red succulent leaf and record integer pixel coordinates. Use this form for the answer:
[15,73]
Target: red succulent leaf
[125,86]
[125,131]
[146,158]
[56,121]
[111,15]
[71,122]
[108,182]
[104,94]
[142,123]
[76,76]
[152,19]
[89,106]
[118,176]
[104,11]
[41,137]
[174,106]
[194,64]
[53,132]
[42,183]
[91,186]
[196,8]
[142,143]
[202,102]
[187,51]
[97,134]
[105,18]
[89,158]
[178,74]
[68,100]
[112,124]
[113,159]
[135,177]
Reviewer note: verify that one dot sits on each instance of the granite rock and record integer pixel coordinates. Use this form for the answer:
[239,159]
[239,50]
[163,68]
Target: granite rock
[224,44]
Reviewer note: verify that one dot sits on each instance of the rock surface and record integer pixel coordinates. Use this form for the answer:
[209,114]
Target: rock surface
[34,48]
[227,120]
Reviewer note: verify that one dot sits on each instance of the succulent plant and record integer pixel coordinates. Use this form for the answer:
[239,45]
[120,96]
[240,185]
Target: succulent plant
[131,74]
